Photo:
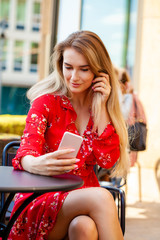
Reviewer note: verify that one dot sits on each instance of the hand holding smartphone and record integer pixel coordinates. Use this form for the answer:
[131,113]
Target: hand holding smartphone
[70,140]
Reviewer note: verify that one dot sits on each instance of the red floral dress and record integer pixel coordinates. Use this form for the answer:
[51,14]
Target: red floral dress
[49,117]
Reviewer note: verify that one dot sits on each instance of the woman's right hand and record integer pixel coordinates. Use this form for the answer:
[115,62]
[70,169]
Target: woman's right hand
[50,163]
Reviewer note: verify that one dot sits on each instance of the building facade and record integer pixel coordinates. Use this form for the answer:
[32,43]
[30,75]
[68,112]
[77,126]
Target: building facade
[20,21]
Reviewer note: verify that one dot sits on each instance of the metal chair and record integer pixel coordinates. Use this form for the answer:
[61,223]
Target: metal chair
[8,155]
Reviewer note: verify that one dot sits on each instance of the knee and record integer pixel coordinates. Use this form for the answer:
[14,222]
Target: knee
[104,200]
[103,195]
[83,227]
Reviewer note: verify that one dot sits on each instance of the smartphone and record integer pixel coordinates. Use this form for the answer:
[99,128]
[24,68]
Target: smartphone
[70,140]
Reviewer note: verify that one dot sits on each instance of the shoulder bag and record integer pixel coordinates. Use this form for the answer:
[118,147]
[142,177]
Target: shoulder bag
[137,134]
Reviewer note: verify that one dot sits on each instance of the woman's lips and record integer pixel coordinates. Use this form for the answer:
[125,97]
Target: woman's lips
[75,85]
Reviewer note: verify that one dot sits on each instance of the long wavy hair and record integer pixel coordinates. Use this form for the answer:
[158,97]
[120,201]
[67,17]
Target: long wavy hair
[92,48]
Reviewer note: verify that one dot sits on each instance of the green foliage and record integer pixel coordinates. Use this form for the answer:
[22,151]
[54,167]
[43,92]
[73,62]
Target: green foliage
[12,124]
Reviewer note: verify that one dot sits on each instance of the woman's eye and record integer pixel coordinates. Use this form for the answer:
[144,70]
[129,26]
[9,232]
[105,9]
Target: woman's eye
[68,67]
[85,69]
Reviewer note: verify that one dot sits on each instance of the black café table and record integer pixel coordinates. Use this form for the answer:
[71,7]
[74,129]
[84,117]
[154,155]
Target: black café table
[13,181]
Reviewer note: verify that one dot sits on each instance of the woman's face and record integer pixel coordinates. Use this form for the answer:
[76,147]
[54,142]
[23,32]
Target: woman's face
[76,71]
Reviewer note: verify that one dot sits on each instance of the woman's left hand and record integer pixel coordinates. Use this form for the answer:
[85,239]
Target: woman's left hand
[101,84]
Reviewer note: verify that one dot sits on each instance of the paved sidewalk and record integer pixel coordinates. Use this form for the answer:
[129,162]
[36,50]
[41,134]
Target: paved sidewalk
[142,217]
[143,221]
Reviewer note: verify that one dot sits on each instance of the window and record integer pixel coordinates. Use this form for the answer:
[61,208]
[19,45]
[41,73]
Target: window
[14,100]
[109,20]
[4,13]
[36,16]
[34,57]
[21,14]
[130,58]
[4,54]
[18,55]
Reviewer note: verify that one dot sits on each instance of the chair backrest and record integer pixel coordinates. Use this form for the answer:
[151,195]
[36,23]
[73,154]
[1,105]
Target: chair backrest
[9,152]
[113,181]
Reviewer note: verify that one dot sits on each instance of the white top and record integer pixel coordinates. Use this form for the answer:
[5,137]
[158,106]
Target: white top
[126,104]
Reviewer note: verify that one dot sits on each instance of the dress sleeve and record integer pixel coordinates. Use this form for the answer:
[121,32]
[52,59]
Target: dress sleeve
[33,140]
[106,147]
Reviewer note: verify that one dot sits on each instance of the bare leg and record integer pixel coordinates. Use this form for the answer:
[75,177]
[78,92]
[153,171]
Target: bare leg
[98,204]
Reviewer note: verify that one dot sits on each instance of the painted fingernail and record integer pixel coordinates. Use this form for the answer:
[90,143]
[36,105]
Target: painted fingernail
[75,167]
[77,160]
[72,150]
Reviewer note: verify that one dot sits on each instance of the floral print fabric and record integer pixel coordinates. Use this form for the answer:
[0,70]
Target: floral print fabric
[48,118]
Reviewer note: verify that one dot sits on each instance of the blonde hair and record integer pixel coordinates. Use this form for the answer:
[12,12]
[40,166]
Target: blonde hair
[91,46]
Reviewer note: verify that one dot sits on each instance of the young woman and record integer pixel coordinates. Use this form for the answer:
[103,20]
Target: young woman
[80,96]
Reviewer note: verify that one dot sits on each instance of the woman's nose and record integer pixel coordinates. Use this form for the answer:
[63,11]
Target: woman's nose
[75,75]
